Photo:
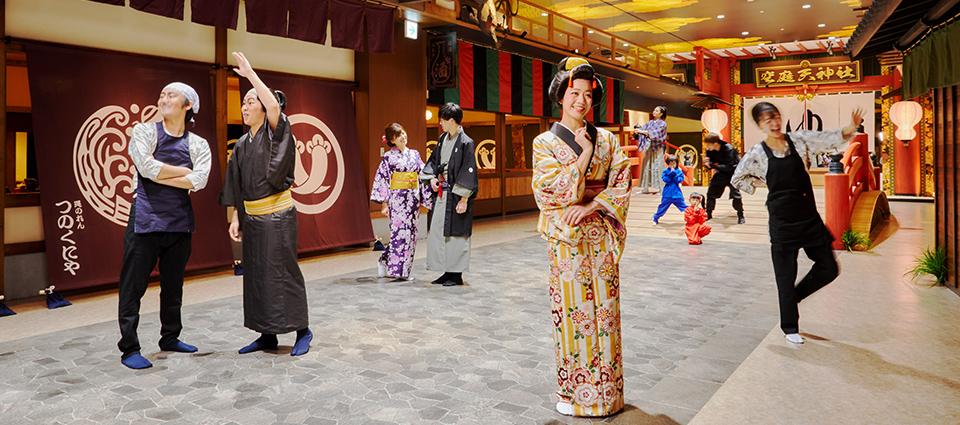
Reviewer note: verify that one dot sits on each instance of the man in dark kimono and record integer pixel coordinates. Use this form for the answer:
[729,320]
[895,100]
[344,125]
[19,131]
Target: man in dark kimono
[723,158]
[452,171]
[260,174]
[170,163]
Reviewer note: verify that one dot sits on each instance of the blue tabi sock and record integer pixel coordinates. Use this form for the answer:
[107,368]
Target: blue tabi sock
[180,347]
[302,346]
[136,361]
[265,342]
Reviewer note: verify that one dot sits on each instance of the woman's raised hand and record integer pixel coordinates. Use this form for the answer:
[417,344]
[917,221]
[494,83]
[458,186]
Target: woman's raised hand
[856,118]
[243,65]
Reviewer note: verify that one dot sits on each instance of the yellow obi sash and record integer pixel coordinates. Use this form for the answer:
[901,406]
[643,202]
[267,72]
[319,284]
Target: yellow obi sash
[270,204]
[404,180]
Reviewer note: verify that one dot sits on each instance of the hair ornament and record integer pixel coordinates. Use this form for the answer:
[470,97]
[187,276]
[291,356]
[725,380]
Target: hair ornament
[384,138]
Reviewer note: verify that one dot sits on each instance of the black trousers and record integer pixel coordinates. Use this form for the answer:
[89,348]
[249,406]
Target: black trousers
[141,252]
[825,269]
[715,190]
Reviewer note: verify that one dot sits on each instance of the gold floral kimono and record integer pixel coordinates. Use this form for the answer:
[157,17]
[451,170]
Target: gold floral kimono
[584,265]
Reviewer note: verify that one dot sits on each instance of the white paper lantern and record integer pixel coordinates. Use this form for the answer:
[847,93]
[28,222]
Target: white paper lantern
[906,115]
[714,120]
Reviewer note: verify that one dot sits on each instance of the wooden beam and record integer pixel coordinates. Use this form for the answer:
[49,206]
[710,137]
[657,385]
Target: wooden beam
[822,46]
[220,97]
[802,47]
[729,53]
[3,128]
[840,43]
[784,50]
[749,53]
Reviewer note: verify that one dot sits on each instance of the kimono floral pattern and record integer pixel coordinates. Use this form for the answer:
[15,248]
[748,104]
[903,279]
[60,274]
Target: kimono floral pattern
[584,270]
[404,207]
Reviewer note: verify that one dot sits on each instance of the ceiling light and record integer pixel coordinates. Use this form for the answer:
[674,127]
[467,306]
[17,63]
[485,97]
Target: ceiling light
[591,31]
[720,16]
[806,6]
[781,29]
[624,44]
[831,37]
[822,25]
[543,14]
[761,11]
[762,44]
[745,33]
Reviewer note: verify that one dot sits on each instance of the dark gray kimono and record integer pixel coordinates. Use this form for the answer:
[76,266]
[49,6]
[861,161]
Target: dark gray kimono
[274,296]
[461,171]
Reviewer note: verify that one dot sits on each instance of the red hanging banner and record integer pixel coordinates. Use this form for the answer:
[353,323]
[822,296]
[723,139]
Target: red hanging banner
[85,105]
[267,17]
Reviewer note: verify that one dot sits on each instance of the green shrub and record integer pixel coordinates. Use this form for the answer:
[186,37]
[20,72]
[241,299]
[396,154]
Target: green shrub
[855,241]
[932,262]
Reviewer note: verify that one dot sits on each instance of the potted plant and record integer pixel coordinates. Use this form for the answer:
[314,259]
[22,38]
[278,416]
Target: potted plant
[931,262]
[855,241]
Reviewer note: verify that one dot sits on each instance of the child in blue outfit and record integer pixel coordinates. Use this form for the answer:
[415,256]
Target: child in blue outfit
[671,195]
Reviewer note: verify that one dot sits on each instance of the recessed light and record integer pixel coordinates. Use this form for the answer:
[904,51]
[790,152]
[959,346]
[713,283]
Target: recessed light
[761,11]
[745,33]
[806,6]
[822,25]
[720,16]
[590,32]
[543,14]
[831,37]
[664,93]
[781,29]
[763,44]
[624,44]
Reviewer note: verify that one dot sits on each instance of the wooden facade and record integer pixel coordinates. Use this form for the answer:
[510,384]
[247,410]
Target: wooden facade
[946,164]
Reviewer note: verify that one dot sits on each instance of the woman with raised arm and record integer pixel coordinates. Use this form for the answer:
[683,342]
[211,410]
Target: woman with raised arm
[258,182]
[652,136]
[581,183]
[781,161]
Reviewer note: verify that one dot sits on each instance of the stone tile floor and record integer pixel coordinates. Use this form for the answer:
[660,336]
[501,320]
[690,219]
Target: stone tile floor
[409,352]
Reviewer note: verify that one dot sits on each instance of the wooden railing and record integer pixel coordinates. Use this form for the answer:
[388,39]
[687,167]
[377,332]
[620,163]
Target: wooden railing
[842,190]
[548,27]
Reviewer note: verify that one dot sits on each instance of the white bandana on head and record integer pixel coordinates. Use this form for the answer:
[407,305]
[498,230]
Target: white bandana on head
[187,92]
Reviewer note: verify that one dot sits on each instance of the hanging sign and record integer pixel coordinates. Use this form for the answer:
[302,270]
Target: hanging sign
[806,72]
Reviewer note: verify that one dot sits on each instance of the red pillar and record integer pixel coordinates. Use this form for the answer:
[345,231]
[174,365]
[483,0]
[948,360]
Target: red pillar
[906,166]
[725,95]
[837,201]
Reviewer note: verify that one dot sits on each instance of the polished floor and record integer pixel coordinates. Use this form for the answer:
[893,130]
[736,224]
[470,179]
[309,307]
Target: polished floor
[701,341]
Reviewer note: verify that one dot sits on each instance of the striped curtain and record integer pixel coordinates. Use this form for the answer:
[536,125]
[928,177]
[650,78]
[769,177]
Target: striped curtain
[495,81]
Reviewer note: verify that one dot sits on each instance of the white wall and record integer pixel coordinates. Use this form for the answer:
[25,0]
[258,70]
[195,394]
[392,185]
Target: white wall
[125,29]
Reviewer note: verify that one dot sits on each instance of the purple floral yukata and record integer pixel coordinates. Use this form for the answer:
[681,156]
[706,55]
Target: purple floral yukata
[404,205]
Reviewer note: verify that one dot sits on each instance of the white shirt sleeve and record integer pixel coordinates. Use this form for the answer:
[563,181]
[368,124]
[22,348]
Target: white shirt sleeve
[201,158]
[810,143]
[751,169]
[143,143]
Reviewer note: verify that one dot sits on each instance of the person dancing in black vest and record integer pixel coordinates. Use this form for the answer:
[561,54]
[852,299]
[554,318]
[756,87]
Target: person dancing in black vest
[781,161]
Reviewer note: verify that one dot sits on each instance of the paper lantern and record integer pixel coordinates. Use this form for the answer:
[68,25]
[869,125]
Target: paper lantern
[714,120]
[906,115]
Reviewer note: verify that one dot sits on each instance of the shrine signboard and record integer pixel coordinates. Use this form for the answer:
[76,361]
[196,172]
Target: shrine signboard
[806,72]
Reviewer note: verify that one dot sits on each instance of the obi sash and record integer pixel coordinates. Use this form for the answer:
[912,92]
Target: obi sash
[404,180]
[270,204]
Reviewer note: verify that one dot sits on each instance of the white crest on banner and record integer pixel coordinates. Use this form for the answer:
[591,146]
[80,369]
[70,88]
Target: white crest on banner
[101,164]
[313,165]
[486,155]
[431,145]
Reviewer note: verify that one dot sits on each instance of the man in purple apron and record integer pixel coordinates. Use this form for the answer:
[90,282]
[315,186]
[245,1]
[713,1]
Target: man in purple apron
[170,162]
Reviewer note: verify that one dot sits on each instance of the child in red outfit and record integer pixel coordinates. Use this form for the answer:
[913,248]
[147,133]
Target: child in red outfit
[696,217]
